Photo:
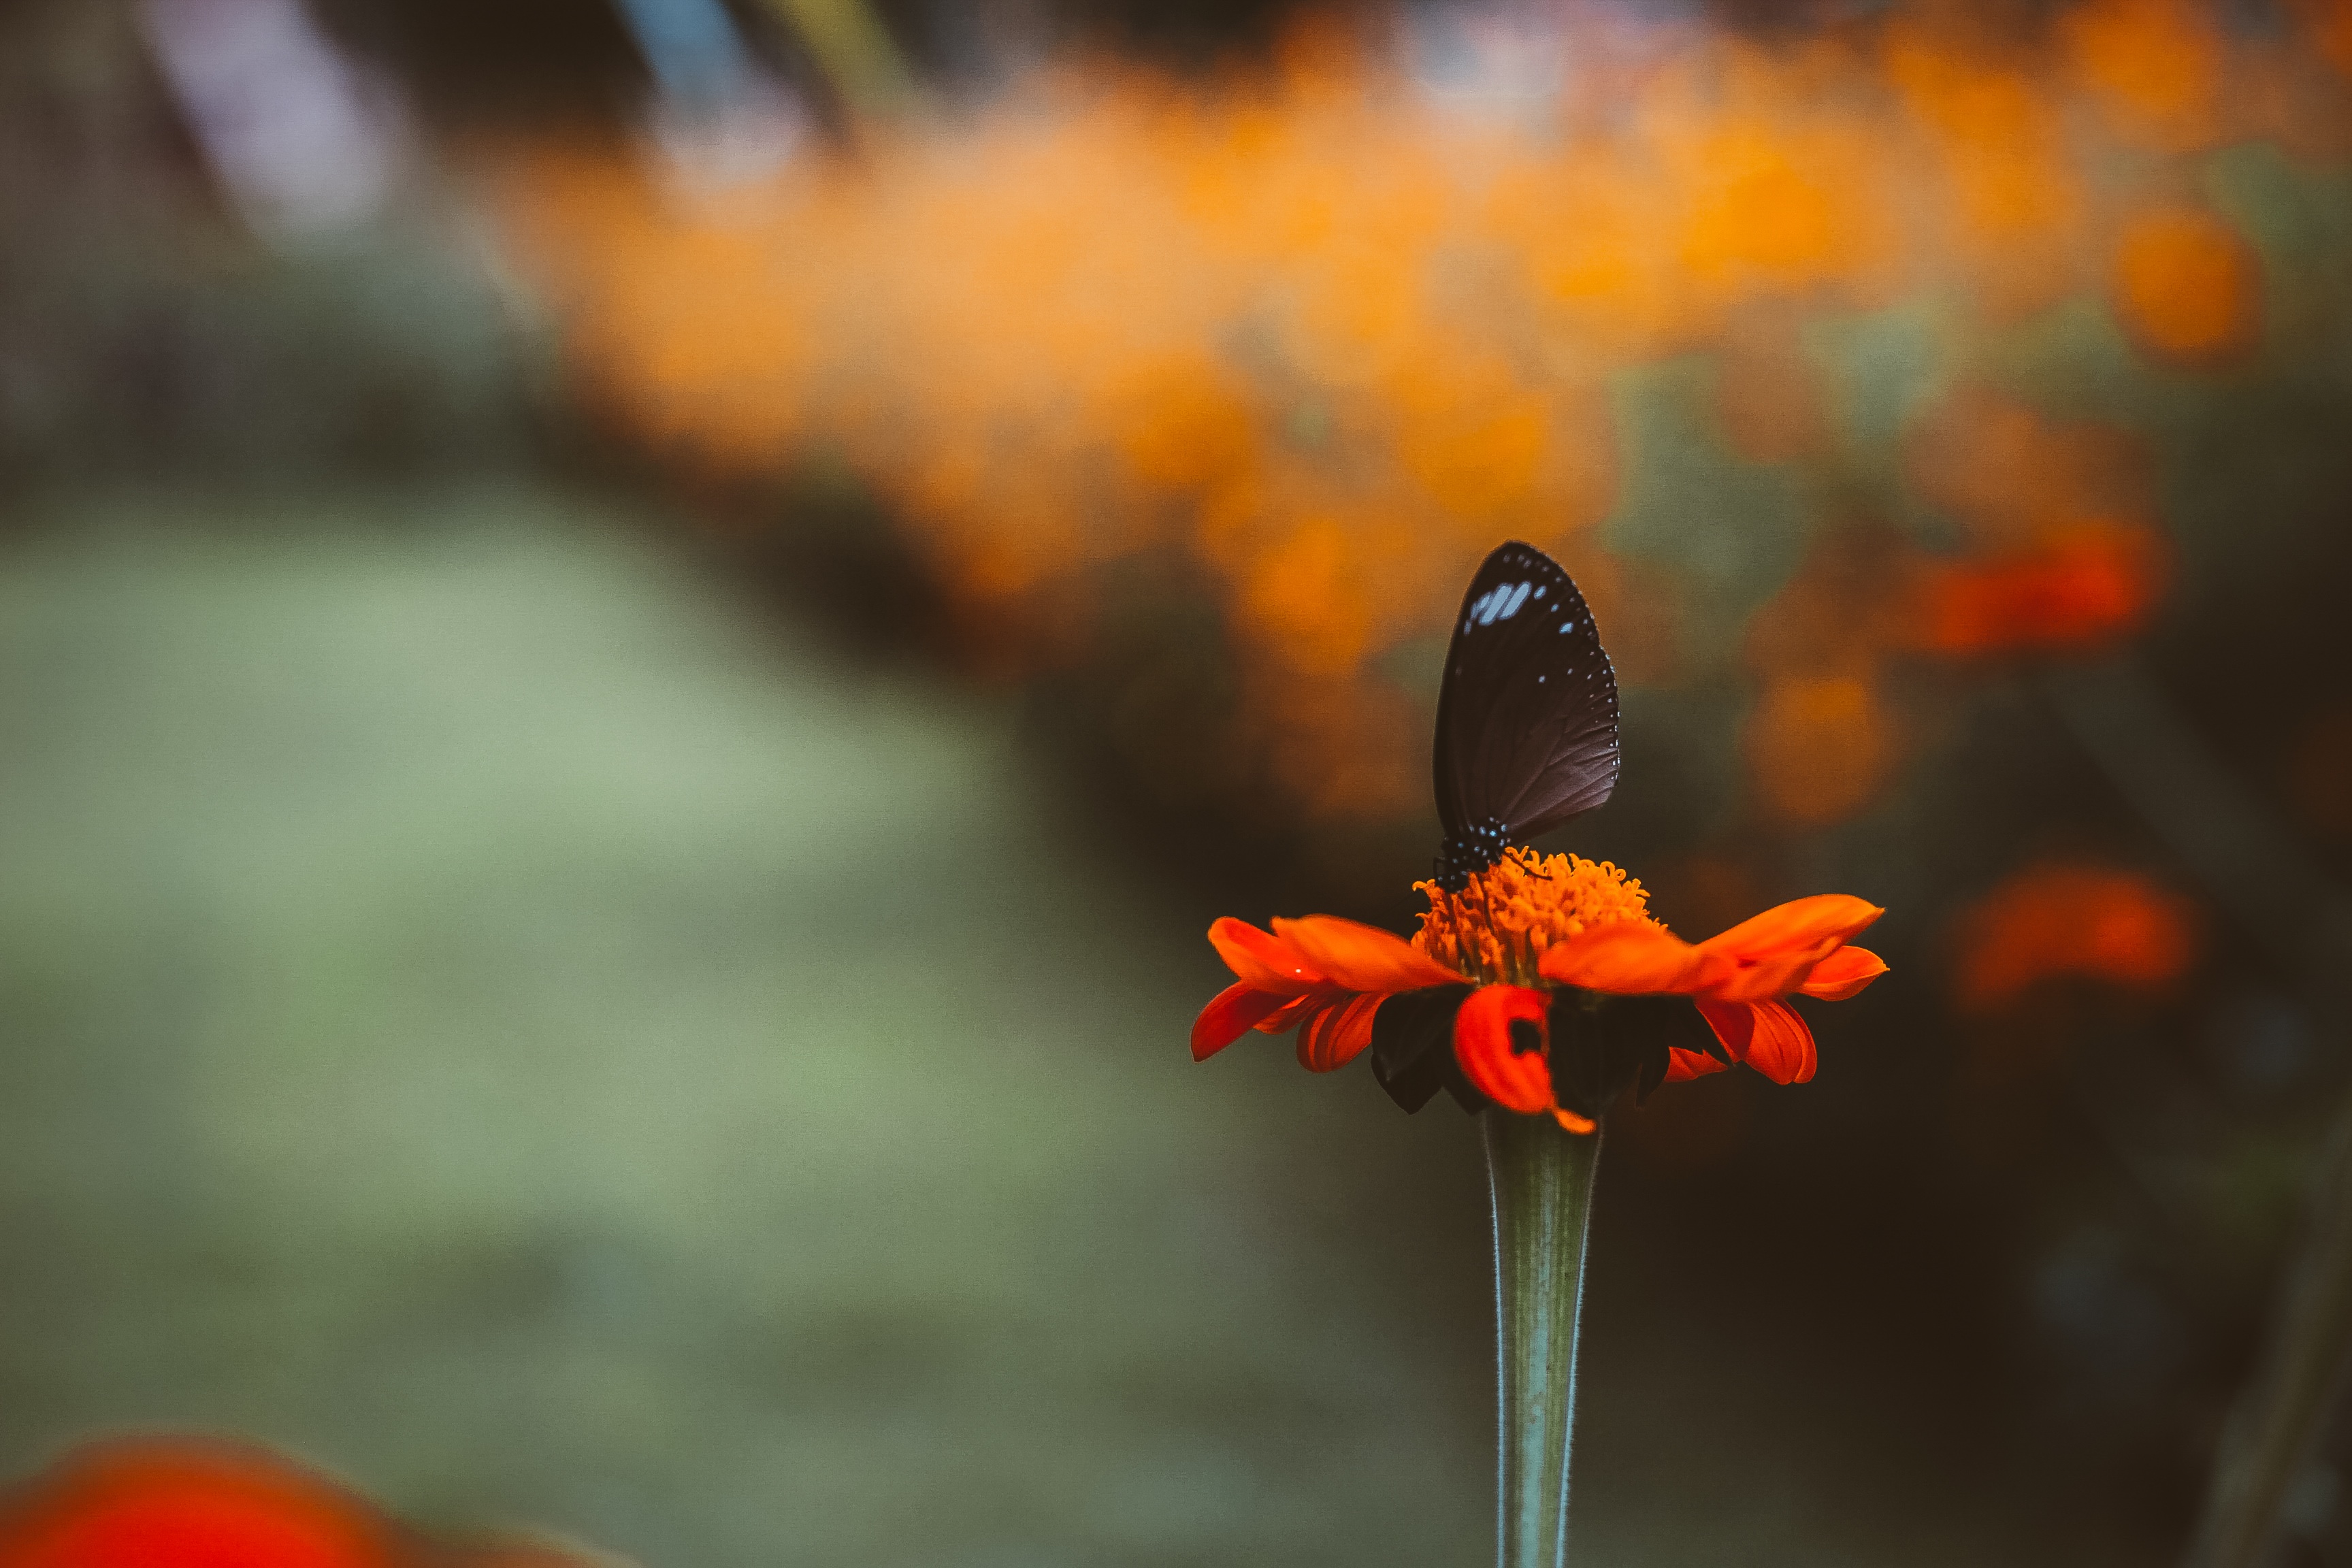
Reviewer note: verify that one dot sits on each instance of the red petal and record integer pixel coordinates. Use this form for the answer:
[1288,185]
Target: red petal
[1356,957]
[1795,926]
[1681,1064]
[1628,958]
[1266,961]
[1782,1049]
[1286,1017]
[1767,1036]
[1734,1024]
[1517,1080]
[1229,1017]
[1572,1122]
[1776,953]
[1843,973]
[1335,1037]
[1773,975]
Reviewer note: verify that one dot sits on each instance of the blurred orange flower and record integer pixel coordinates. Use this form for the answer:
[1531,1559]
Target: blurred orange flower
[180,1504]
[2187,288]
[2054,921]
[204,1503]
[1325,337]
[2083,585]
[2155,69]
[1503,995]
[1820,748]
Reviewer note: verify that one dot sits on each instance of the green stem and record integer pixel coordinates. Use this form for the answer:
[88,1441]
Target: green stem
[2283,1414]
[1542,1179]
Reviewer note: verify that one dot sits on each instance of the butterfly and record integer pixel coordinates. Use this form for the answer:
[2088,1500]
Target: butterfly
[1527,713]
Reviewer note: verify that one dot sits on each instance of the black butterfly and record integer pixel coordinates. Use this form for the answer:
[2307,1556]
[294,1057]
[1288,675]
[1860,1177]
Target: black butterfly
[1527,713]
[1527,737]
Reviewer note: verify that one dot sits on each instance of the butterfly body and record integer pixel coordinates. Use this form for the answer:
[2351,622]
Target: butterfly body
[1469,851]
[1527,713]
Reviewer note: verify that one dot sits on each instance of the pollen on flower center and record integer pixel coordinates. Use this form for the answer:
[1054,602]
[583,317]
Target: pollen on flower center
[1497,928]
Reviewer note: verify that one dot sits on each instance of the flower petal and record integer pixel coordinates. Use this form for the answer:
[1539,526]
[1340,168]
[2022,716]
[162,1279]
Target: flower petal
[1767,1036]
[1285,1018]
[1628,958]
[1775,974]
[1514,1080]
[1228,1016]
[1843,973]
[1681,1064]
[1335,1037]
[1358,957]
[1795,926]
[1264,961]
[1572,1122]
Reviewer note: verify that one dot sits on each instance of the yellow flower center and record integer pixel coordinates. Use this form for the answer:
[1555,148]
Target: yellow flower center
[1496,928]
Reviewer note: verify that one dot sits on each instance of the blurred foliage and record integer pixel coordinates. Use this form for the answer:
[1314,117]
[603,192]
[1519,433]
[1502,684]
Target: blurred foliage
[1306,343]
[142,337]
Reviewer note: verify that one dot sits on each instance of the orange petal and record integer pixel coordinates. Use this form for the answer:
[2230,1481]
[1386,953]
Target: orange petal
[1358,957]
[1333,1038]
[1767,1036]
[1795,926]
[178,1501]
[1264,961]
[1681,1064]
[1572,1122]
[1843,973]
[1515,1080]
[1628,958]
[1773,975]
[1229,1017]
[1286,1016]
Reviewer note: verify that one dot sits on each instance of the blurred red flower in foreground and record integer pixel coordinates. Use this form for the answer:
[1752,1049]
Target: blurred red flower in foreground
[2054,920]
[200,1503]
[1506,992]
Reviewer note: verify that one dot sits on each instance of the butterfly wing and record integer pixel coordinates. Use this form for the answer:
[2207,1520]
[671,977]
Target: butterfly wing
[1527,712]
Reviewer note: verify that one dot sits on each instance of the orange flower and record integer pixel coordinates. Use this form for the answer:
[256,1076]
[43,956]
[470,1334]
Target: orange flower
[180,1502]
[2049,922]
[1533,975]
[2082,588]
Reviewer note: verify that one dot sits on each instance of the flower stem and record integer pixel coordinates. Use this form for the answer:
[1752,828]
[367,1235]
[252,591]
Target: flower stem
[1542,1182]
[2283,1414]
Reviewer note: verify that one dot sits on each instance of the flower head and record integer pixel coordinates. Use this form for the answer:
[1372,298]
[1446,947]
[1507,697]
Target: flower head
[1500,924]
[1544,987]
